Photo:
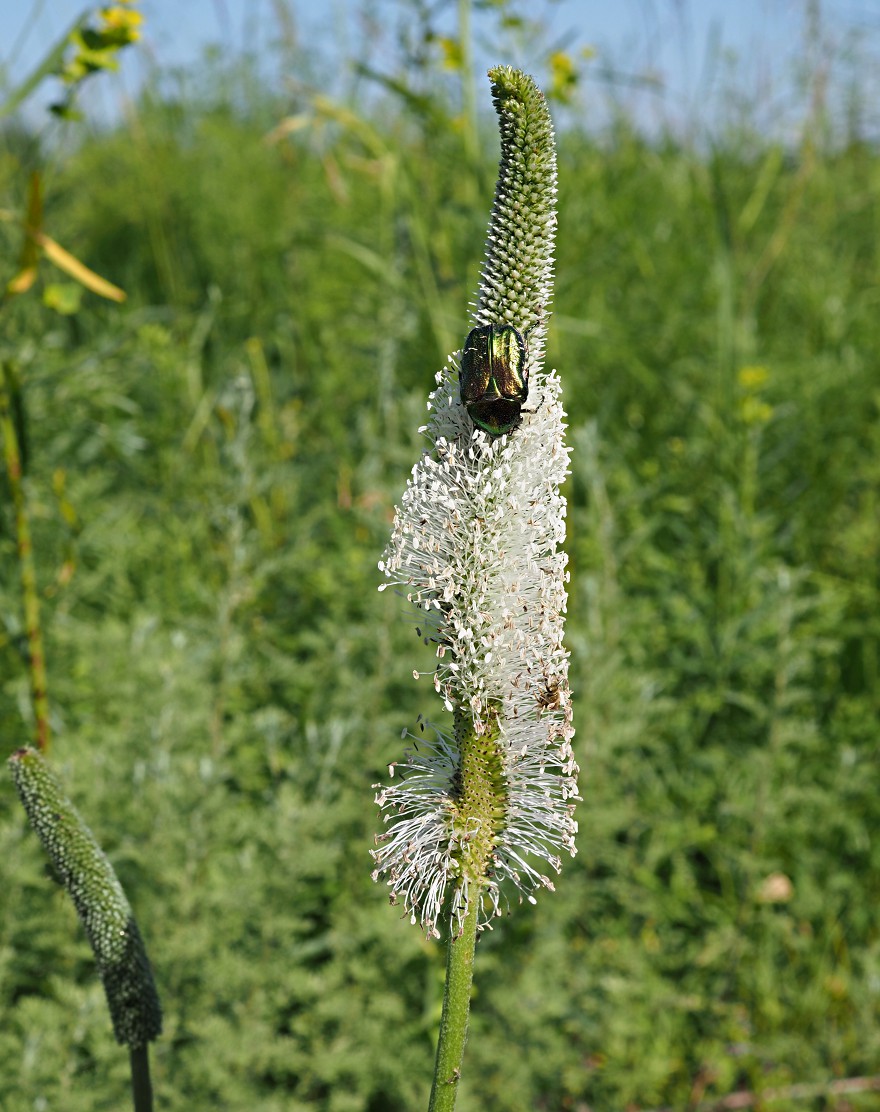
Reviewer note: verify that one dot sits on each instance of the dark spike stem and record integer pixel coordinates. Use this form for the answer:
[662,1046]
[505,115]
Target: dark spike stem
[141,1085]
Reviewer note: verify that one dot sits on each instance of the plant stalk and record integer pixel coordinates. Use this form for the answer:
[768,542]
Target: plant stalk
[30,600]
[456,1009]
[468,87]
[141,1086]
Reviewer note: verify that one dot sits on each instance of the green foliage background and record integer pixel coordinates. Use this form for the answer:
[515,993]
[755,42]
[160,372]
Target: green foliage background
[212,474]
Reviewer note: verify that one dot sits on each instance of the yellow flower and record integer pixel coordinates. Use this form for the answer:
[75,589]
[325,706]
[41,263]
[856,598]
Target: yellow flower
[755,412]
[122,24]
[451,51]
[563,76]
[752,378]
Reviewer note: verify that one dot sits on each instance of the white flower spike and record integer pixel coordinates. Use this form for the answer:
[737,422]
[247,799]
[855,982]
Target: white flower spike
[476,546]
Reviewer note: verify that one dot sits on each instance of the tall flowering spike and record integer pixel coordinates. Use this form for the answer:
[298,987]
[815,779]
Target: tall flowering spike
[98,897]
[475,544]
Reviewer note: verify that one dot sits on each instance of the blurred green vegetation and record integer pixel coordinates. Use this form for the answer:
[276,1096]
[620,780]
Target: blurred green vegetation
[212,471]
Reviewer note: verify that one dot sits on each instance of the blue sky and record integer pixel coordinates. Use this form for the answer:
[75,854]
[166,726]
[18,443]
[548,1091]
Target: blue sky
[679,42]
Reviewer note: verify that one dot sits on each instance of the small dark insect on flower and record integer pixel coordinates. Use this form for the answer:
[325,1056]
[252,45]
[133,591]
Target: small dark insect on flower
[494,379]
[548,695]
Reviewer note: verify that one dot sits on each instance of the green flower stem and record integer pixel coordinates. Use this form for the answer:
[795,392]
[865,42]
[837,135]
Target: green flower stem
[141,1086]
[30,600]
[456,1009]
[480,809]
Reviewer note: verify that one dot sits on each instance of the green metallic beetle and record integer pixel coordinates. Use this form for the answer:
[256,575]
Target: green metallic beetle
[494,378]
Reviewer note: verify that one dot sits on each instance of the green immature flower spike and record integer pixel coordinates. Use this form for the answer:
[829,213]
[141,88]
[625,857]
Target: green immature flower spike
[476,547]
[98,897]
[517,279]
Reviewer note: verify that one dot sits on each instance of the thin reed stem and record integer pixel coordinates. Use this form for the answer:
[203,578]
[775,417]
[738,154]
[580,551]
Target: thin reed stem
[468,86]
[30,600]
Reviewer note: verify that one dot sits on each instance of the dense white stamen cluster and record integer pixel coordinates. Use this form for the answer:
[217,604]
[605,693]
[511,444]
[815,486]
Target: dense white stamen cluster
[476,547]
